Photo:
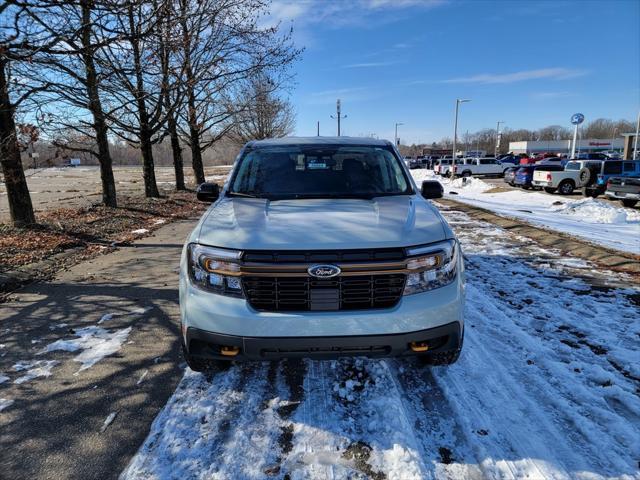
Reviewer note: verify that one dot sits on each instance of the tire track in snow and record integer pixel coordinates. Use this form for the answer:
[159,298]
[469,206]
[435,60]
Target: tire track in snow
[576,412]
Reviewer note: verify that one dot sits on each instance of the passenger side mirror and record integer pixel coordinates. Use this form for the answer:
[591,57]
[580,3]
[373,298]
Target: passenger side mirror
[208,192]
[432,189]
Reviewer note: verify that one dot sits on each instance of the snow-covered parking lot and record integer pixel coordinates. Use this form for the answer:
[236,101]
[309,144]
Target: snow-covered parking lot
[600,222]
[548,386]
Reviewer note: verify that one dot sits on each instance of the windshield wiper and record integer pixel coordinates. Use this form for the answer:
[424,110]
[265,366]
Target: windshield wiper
[242,194]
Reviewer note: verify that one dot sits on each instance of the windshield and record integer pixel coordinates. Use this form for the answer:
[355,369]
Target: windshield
[319,172]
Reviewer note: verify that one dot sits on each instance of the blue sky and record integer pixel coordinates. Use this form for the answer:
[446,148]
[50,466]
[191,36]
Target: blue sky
[528,63]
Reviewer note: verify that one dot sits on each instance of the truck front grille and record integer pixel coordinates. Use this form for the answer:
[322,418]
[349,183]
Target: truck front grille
[278,294]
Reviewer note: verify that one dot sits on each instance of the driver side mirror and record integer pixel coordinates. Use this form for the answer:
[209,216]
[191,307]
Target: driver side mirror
[432,189]
[208,192]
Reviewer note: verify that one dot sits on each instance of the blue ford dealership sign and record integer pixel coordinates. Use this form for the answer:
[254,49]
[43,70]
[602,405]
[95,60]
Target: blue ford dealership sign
[577,118]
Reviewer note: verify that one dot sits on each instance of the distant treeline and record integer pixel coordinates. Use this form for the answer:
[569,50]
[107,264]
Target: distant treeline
[486,139]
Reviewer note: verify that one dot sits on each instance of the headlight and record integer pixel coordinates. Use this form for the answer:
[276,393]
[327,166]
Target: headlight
[435,265]
[214,269]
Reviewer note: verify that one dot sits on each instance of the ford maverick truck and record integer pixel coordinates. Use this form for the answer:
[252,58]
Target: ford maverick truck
[321,247]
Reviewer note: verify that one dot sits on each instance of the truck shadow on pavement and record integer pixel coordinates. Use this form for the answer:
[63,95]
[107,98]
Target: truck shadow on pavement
[55,427]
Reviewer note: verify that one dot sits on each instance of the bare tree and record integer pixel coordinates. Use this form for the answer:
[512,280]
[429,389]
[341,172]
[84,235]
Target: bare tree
[222,46]
[21,41]
[262,114]
[139,80]
[74,78]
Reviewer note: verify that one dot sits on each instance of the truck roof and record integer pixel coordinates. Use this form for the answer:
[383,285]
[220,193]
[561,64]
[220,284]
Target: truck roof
[319,141]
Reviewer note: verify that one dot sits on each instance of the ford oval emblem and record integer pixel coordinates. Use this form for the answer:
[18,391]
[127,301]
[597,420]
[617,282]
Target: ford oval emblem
[323,271]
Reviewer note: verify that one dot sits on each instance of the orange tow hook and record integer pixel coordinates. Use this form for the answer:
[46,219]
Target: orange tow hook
[419,346]
[229,351]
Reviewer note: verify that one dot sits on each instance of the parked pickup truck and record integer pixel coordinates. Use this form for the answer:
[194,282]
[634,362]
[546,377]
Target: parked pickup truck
[625,189]
[564,181]
[443,166]
[479,166]
[320,247]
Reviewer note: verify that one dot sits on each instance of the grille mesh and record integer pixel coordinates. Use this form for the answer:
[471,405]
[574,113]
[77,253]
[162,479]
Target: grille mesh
[277,294]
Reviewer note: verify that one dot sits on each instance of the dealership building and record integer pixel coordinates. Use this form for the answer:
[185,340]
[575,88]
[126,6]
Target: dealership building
[564,146]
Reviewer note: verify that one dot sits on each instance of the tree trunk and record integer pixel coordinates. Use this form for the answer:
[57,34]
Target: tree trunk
[95,107]
[150,185]
[178,164]
[192,116]
[194,140]
[20,206]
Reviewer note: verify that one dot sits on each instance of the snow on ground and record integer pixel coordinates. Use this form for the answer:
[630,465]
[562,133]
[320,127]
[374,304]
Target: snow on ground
[95,343]
[600,222]
[140,231]
[34,369]
[546,387]
[4,403]
[3,378]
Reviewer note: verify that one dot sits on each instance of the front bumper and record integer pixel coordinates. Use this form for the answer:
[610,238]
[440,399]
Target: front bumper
[209,317]
[207,345]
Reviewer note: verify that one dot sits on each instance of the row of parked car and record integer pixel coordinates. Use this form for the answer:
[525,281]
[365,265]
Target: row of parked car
[617,179]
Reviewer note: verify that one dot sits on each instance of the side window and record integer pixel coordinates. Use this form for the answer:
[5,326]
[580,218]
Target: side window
[629,167]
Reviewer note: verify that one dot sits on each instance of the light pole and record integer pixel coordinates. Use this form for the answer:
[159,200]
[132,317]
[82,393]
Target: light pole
[635,140]
[498,138]
[338,115]
[396,137]
[455,129]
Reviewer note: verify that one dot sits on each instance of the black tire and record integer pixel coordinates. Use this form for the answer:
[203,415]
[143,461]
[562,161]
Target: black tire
[628,202]
[448,357]
[198,364]
[589,192]
[466,173]
[550,189]
[566,187]
[585,175]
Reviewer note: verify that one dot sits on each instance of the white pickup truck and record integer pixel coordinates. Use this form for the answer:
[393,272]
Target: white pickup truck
[321,247]
[480,166]
[566,181]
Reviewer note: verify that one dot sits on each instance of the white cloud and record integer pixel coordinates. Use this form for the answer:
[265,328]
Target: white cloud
[355,94]
[403,3]
[551,95]
[368,65]
[546,73]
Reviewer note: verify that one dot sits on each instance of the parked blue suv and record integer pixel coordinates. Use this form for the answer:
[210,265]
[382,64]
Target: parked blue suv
[596,178]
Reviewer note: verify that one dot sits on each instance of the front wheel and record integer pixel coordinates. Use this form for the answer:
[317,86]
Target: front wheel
[629,203]
[549,190]
[448,357]
[198,364]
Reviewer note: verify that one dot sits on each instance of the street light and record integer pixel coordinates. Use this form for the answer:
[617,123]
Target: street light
[455,129]
[498,138]
[635,141]
[396,137]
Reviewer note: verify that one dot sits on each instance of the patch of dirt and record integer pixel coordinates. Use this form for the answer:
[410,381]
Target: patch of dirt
[85,232]
[360,452]
[498,190]
[446,456]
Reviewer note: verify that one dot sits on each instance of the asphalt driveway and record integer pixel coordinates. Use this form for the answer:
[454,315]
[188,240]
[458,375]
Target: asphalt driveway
[56,426]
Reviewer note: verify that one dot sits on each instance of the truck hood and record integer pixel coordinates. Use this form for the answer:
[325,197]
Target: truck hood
[321,224]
